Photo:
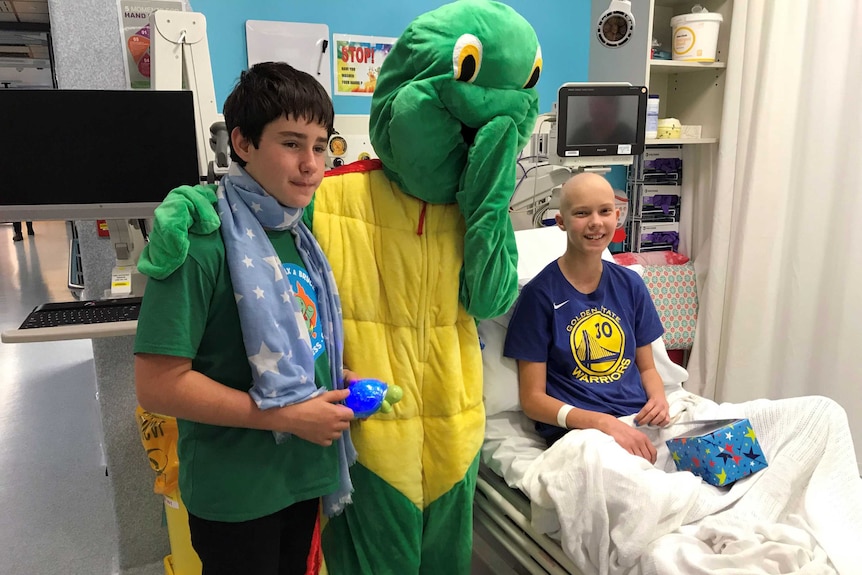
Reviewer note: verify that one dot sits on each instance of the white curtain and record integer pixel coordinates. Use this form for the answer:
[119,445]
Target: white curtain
[781,277]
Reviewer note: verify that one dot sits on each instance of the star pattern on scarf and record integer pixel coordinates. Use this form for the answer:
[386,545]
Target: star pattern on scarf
[266,359]
[275,333]
[276,266]
[285,223]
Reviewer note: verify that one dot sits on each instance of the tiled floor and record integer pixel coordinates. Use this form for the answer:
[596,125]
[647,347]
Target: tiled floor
[56,502]
[58,513]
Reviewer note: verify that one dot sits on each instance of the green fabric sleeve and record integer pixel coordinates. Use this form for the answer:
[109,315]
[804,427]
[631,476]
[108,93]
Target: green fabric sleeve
[489,278]
[187,209]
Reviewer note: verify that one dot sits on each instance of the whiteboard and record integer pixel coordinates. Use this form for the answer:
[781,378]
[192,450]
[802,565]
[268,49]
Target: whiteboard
[299,44]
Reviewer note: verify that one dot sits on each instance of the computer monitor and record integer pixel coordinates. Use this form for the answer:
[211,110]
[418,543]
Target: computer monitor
[599,124]
[93,154]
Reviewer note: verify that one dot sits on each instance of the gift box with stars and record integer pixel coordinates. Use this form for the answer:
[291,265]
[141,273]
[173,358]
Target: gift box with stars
[720,453]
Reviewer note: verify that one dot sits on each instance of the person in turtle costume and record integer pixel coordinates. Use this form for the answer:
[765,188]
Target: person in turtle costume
[421,247]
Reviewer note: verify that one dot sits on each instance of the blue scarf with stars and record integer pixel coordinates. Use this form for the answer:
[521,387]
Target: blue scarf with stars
[274,329]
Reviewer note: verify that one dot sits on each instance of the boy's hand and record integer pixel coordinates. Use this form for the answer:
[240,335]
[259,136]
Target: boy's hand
[656,411]
[632,440]
[320,420]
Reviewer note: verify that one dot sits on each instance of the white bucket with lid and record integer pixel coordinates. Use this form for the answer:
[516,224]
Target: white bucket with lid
[695,35]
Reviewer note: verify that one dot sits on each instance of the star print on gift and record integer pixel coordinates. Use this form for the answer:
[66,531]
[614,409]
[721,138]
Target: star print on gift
[724,456]
[752,455]
[720,454]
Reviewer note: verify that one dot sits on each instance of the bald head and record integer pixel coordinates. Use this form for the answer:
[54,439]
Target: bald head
[585,187]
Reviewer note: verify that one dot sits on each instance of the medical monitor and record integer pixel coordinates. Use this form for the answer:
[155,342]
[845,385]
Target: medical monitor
[600,120]
[93,154]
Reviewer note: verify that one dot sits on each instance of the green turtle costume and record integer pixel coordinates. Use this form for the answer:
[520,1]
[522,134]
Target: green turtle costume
[421,246]
[420,249]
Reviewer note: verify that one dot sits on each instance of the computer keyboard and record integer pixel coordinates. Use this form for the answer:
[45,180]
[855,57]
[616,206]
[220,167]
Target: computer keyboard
[83,312]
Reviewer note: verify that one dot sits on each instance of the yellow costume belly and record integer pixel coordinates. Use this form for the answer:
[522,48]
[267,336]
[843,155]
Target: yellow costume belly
[396,261]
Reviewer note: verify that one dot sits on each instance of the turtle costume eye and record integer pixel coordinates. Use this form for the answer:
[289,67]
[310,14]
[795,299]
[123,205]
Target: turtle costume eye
[467,58]
[537,70]
[454,104]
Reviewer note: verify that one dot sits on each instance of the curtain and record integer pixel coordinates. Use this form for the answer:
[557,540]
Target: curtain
[780,302]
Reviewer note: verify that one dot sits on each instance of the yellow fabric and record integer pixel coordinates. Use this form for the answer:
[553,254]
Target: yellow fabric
[403,324]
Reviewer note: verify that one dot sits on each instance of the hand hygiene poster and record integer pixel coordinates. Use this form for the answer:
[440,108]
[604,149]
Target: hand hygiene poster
[357,61]
[135,31]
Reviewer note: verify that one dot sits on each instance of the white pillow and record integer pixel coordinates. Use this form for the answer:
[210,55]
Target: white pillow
[536,249]
[500,373]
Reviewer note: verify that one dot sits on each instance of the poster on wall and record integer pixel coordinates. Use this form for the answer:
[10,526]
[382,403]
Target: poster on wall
[357,61]
[135,36]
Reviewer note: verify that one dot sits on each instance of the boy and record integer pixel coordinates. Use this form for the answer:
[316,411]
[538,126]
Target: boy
[581,332]
[252,500]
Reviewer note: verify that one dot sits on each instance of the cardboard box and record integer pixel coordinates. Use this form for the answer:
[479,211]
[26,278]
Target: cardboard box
[662,166]
[658,203]
[652,236]
[719,453]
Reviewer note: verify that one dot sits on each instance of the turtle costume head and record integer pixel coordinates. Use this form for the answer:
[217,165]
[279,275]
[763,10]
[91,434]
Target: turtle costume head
[454,105]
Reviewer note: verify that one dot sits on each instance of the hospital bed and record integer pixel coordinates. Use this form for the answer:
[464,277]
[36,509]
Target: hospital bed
[511,442]
[815,527]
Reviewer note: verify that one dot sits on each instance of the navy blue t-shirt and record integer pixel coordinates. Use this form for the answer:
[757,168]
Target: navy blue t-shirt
[588,341]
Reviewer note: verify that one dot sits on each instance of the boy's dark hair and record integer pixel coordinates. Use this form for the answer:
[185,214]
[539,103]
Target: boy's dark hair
[270,90]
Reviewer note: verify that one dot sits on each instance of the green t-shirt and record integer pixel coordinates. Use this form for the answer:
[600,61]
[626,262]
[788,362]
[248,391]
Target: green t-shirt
[231,474]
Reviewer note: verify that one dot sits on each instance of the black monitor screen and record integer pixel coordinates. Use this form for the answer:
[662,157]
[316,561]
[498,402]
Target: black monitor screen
[93,149]
[601,120]
[606,119]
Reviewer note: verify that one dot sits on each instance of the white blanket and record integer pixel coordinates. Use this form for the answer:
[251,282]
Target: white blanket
[616,513]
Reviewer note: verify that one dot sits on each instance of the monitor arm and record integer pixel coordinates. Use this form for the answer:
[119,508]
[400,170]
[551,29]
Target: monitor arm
[181,60]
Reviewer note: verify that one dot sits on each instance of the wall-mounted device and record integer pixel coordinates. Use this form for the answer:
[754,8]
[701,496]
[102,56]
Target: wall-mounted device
[350,142]
[598,124]
[616,24]
[595,126]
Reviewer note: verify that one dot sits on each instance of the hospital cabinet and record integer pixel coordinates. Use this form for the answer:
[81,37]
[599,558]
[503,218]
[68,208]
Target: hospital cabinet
[692,92]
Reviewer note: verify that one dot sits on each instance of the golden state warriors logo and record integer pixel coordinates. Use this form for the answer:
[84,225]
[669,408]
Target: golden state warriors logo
[598,343]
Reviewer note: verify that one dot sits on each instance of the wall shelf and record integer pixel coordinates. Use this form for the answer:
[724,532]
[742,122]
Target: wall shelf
[679,67]
[675,3]
[679,141]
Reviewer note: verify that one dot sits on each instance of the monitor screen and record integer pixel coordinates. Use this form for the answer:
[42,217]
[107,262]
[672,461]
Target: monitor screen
[93,154]
[601,120]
